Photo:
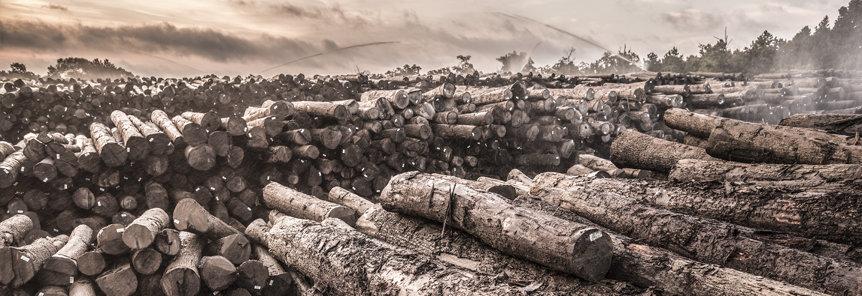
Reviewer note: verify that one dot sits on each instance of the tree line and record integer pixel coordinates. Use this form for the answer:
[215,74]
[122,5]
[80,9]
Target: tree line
[830,45]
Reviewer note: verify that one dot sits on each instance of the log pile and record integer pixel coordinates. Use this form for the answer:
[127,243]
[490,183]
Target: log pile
[345,185]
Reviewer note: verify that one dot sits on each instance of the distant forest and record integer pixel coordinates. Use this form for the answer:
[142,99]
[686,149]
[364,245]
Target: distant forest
[830,45]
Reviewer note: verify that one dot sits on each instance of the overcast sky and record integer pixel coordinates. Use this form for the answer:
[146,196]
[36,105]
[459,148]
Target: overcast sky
[169,37]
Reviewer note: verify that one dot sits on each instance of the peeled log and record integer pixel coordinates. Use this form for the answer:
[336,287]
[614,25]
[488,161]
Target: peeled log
[637,150]
[703,239]
[13,229]
[558,244]
[181,275]
[61,268]
[695,170]
[355,264]
[301,205]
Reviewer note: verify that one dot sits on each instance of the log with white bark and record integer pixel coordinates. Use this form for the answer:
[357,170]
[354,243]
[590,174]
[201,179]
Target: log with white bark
[560,245]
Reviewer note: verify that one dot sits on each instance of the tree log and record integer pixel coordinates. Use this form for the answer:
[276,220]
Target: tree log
[181,276]
[13,229]
[143,230]
[374,268]
[112,153]
[560,245]
[137,145]
[119,281]
[22,263]
[298,204]
[60,269]
[638,150]
[702,239]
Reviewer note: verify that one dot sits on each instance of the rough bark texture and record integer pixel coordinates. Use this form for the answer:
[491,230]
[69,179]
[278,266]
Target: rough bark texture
[464,251]
[706,240]
[561,245]
[22,263]
[181,275]
[301,205]
[351,263]
[825,212]
[786,174]
[119,281]
[849,124]
[637,150]
[61,268]
[747,142]
[143,230]
[13,229]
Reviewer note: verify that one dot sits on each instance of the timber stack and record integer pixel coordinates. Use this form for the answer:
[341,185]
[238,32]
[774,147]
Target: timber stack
[354,185]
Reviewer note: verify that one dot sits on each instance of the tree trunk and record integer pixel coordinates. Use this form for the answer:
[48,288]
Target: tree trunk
[785,174]
[13,229]
[181,275]
[747,142]
[146,261]
[137,145]
[119,281]
[560,245]
[112,153]
[22,263]
[848,124]
[637,150]
[60,269]
[143,230]
[354,264]
[298,204]
[702,239]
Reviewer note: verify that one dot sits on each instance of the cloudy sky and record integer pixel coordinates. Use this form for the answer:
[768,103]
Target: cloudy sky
[169,37]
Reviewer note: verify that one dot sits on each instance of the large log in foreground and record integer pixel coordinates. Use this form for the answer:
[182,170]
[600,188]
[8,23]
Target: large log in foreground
[457,248]
[354,264]
[561,245]
[703,239]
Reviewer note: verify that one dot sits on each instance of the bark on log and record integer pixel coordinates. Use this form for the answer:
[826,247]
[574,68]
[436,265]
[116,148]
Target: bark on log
[702,239]
[634,149]
[181,276]
[137,145]
[193,134]
[22,263]
[462,250]
[848,124]
[112,153]
[217,272]
[119,281]
[164,122]
[13,229]
[298,204]
[143,230]
[60,269]
[560,245]
[374,268]
[786,174]
[279,279]
[749,142]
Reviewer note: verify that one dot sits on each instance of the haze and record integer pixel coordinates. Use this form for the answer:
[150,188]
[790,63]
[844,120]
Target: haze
[179,38]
